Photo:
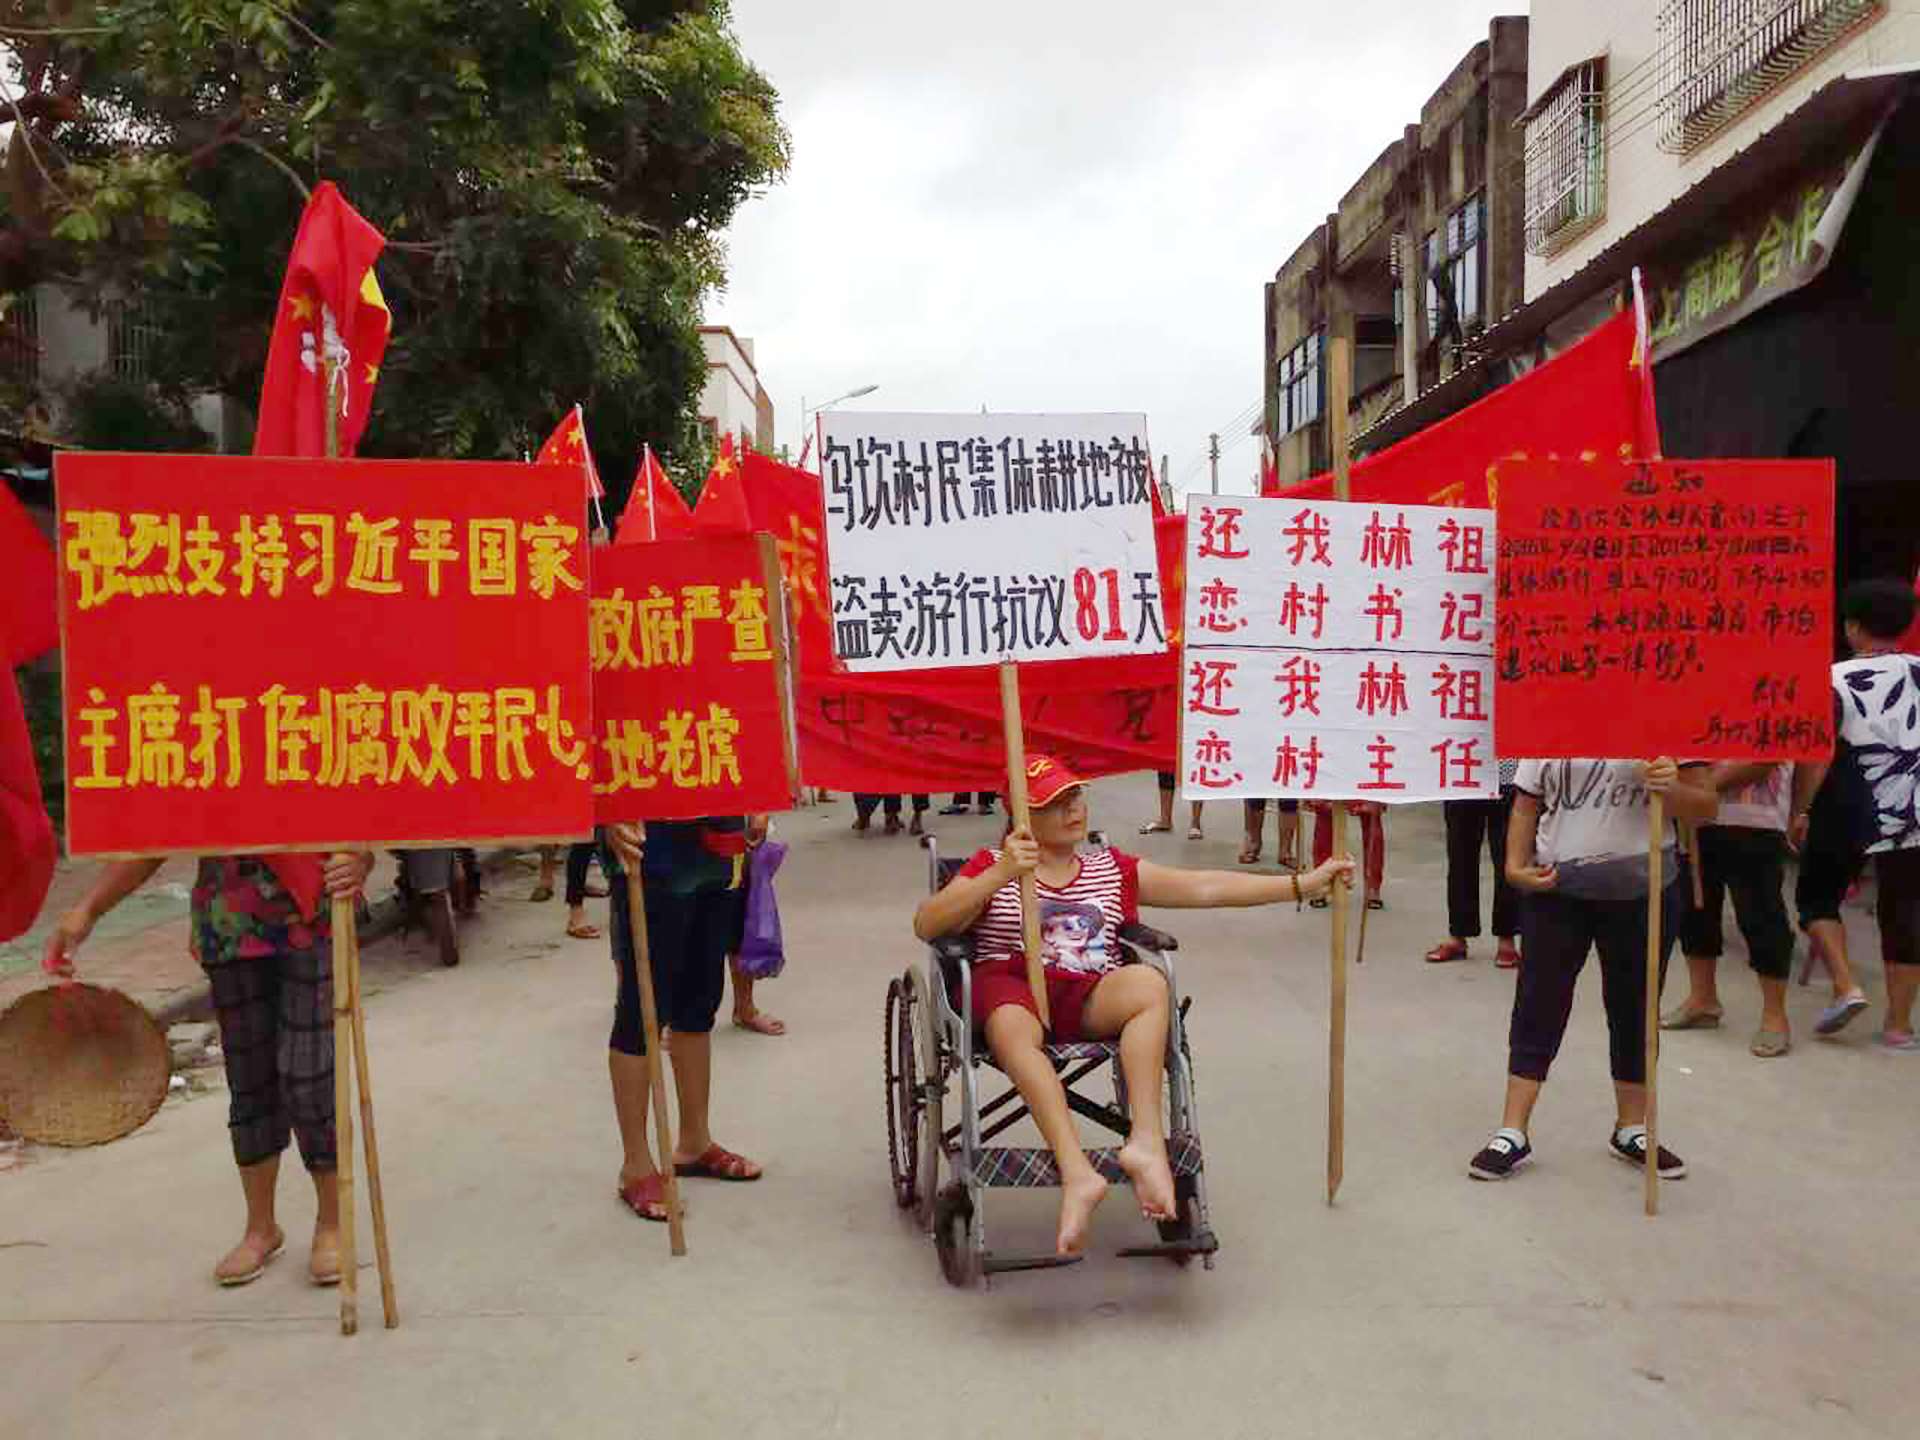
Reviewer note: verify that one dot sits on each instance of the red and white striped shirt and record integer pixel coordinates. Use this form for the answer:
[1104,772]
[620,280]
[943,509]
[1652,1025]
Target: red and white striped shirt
[1079,921]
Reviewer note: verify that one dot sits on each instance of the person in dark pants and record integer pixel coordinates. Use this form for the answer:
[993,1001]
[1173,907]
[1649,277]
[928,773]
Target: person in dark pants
[1577,852]
[1169,788]
[865,805]
[1743,854]
[1287,841]
[983,802]
[692,872]
[1472,824]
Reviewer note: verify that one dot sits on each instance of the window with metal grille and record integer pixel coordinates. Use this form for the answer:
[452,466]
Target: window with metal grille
[130,336]
[20,339]
[1567,158]
[1299,385]
[1456,272]
[1723,57]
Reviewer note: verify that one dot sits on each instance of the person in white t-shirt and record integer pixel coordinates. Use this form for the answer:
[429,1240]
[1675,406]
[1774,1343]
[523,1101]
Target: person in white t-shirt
[1743,853]
[1577,850]
[1084,896]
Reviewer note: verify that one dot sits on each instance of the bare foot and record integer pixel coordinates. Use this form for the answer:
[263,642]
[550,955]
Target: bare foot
[243,1264]
[323,1265]
[1146,1166]
[1078,1200]
[759,1022]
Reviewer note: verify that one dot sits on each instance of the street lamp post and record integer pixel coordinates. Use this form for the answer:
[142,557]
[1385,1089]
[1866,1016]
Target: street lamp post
[806,409]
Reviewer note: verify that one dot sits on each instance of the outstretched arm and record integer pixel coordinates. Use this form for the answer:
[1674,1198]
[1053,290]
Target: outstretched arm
[1169,887]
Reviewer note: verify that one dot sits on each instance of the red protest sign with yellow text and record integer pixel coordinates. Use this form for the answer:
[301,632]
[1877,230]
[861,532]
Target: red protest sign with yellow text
[270,654]
[692,709]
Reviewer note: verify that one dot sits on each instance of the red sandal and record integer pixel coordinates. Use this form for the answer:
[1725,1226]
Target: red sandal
[647,1197]
[718,1163]
[1447,950]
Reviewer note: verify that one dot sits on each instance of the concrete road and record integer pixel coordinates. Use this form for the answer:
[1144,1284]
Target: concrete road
[1775,1296]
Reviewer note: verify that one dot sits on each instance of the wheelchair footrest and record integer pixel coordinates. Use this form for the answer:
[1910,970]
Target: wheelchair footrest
[1005,1264]
[1206,1243]
[1018,1168]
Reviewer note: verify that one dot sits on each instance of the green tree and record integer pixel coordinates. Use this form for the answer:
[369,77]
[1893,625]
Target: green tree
[553,177]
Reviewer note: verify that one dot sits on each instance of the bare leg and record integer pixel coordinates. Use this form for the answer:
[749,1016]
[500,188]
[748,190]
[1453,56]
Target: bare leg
[1773,1004]
[1014,1036]
[1630,1101]
[1289,841]
[1166,809]
[263,1235]
[323,1266]
[1829,940]
[1703,982]
[1522,1095]
[1903,982]
[1132,1003]
[1194,822]
[630,1096]
[746,1014]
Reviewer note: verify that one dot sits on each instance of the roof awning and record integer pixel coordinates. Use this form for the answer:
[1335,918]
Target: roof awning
[1846,111]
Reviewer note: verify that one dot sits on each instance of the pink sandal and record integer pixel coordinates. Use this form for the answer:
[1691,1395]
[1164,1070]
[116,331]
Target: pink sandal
[647,1197]
[718,1163]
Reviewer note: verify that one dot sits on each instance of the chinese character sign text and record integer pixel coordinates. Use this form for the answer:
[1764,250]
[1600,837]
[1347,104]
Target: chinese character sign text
[692,711]
[287,654]
[1337,651]
[1666,608]
[970,539]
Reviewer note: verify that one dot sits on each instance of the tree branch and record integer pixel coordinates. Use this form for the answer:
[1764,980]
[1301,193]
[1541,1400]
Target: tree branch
[24,129]
[306,191]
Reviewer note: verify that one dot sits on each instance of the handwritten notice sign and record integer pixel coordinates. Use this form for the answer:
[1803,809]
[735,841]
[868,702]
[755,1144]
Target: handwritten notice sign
[302,654]
[1337,651]
[1666,608]
[692,700]
[975,539]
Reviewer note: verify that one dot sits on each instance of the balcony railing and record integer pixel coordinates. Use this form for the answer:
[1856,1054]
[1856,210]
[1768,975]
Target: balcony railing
[1723,57]
[1567,159]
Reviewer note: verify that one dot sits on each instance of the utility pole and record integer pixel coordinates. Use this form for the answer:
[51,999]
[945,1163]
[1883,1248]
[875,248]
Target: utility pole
[1213,459]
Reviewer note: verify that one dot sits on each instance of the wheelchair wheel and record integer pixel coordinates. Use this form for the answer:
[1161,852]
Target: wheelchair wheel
[932,1118]
[1186,1205]
[953,1235]
[901,1069]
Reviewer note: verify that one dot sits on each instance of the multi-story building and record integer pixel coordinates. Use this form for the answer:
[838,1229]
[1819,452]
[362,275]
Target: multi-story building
[1437,216]
[733,401]
[1759,162]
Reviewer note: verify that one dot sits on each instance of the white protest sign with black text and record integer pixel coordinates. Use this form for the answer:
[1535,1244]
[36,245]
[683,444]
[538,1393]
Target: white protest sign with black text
[975,539]
[1337,651]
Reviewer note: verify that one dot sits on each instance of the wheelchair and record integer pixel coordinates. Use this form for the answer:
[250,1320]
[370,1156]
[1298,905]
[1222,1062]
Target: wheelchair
[941,1171]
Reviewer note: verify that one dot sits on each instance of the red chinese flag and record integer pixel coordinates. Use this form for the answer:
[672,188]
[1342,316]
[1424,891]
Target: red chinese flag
[568,446]
[331,317]
[30,620]
[655,509]
[723,500]
[331,314]
[27,845]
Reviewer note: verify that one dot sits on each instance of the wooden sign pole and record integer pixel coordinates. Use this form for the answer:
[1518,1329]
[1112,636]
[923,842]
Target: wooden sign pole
[350,1049]
[1023,820]
[656,1063]
[1339,388]
[1656,856]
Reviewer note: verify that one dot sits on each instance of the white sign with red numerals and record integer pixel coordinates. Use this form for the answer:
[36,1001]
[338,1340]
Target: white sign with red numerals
[1337,651]
[970,539]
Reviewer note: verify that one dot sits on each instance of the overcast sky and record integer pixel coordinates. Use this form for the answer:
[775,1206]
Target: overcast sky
[1060,204]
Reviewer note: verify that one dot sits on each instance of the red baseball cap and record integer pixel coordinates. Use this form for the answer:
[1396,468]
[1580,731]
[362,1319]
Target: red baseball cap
[1047,780]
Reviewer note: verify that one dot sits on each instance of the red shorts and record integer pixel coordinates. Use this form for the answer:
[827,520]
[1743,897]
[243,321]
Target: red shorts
[1004,982]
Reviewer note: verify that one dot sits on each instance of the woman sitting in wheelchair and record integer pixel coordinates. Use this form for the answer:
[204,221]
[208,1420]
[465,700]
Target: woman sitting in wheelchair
[1084,898]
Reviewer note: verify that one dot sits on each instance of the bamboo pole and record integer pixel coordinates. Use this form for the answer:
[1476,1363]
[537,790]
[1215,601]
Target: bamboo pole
[656,1063]
[1656,855]
[344,979]
[1339,391]
[1022,813]
[376,1198]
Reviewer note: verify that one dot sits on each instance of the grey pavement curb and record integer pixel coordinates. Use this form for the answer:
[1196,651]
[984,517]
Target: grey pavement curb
[194,1002]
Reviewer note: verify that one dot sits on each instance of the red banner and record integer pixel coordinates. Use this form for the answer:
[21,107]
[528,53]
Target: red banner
[1586,402]
[940,730]
[1677,608]
[304,654]
[690,680]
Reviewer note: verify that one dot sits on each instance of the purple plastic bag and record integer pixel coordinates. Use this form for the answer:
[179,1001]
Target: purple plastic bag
[762,956]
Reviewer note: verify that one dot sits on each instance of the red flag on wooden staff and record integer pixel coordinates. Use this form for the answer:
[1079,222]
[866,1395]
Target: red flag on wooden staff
[723,500]
[655,509]
[332,319]
[568,446]
[331,312]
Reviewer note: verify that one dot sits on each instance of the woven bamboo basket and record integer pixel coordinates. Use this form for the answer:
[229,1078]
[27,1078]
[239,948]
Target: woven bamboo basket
[80,1065]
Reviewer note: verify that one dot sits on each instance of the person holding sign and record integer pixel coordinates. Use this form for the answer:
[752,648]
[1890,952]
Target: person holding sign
[1084,898]
[267,954]
[694,872]
[1577,850]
